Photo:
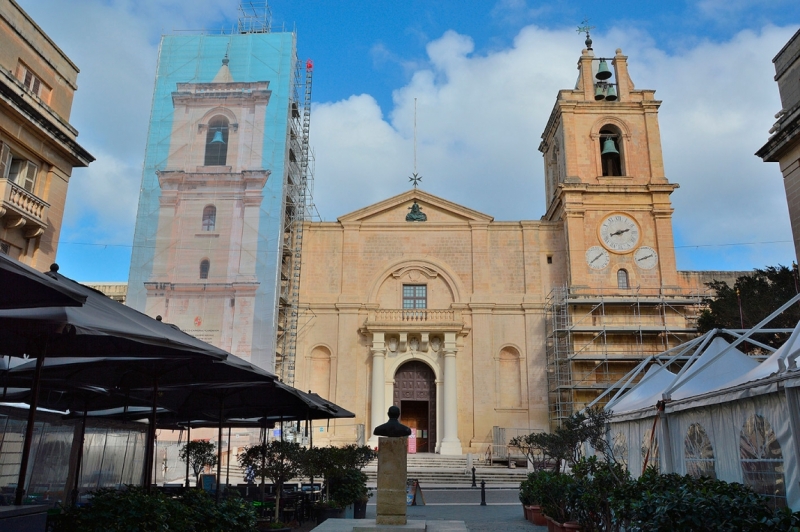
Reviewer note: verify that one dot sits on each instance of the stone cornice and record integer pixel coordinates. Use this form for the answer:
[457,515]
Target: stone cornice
[442,204]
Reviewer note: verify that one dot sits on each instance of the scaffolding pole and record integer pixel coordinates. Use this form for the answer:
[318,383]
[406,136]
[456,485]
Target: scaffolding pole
[299,205]
[593,338]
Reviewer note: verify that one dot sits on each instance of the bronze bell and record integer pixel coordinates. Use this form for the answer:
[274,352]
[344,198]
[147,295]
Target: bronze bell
[609,146]
[603,73]
[599,92]
[217,138]
[611,93]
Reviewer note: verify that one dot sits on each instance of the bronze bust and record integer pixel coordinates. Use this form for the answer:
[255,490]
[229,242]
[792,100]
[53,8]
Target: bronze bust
[392,428]
[416,214]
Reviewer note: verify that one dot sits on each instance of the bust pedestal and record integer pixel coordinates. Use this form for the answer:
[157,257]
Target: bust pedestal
[392,467]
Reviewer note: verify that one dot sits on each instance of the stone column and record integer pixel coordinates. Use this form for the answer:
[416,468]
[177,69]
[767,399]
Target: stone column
[450,442]
[377,406]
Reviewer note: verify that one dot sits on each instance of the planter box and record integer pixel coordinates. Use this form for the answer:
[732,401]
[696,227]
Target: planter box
[572,525]
[537,517]
[554,526]
[321,514]
[360,510]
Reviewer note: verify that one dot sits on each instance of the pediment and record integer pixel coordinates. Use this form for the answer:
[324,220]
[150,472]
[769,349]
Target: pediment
[394,210]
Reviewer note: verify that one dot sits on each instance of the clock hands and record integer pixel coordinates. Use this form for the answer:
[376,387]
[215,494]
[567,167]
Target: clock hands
[594,259]
[645,257]
[617,233]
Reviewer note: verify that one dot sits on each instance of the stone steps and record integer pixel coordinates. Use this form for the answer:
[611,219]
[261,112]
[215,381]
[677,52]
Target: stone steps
[434,469]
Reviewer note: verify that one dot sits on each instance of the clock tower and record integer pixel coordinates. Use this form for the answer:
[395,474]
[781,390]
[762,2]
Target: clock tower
[605,182]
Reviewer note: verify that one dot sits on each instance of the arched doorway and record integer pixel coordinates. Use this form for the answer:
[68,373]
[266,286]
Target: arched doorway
[415,395]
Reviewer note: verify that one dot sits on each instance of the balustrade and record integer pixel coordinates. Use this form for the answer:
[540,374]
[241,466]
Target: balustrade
[17,200]
[413,315]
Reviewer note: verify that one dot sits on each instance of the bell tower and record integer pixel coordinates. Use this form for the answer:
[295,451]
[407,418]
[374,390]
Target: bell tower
[605,180]
[605,184]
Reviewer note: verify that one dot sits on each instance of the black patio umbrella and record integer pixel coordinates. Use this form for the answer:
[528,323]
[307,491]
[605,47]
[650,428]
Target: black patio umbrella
[134,378]
[24,287]
[266,400]
[78,401]
[101,327]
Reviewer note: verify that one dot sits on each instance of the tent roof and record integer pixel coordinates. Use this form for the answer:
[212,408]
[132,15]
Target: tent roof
[712,373]
[768,367]
[647,392]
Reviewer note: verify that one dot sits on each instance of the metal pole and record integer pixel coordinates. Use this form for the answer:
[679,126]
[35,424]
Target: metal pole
[219,452]
[228,472]
[26,445]
[483,493]
[75,491]
[188,440]
[149,461]
[473,478]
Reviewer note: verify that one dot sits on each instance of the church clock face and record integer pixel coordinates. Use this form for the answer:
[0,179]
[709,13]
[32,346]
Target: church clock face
[646,258]
[618,232]
[597,258]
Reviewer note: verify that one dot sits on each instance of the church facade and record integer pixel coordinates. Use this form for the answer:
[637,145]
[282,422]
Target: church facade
[467,323]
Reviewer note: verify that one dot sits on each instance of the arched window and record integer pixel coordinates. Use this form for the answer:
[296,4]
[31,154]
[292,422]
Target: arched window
[209,218]
[622,279]
[620,449]
[205,265]
[319,379]
[762,460]
[509,385]
[610,151]
[217,142]
[650,450]
[698,452]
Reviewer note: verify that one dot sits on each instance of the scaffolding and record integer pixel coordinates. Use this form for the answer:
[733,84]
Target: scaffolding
[594,338]
[298,206]
[255,16]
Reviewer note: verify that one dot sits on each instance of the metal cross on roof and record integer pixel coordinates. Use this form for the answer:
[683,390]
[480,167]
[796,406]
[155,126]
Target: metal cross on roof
[415,179]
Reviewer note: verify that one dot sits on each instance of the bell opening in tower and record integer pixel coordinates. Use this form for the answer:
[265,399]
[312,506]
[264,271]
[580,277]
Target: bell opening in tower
[610,152]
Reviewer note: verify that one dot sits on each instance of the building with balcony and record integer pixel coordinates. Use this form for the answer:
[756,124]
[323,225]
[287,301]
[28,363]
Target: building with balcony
[783,146]
[38,147]
[469,324]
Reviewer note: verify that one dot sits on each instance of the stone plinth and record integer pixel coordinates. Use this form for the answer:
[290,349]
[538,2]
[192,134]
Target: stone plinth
[369,525]
[392,467]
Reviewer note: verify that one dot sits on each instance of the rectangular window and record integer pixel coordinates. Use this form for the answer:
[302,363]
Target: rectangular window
[23,173]
[32,82]
[415,296]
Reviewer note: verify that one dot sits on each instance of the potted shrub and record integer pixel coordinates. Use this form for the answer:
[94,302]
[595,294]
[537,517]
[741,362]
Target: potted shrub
[200,454]
[344,483]
[279,461]
[530,495]
[556,500]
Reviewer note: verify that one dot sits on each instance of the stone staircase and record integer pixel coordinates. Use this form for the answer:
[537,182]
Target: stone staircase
[435,469]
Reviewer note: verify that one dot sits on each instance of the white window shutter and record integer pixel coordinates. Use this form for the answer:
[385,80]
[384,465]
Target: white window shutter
[5,159]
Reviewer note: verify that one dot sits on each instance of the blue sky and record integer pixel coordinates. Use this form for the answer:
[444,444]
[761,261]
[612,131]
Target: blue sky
[485,75]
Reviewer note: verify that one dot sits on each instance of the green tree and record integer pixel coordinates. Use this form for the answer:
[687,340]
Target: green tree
[200,453]
[563,445]
[752,298]
[279,461]
[340,467]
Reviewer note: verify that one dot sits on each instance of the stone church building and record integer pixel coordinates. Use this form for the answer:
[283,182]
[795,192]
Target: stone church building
[467,323]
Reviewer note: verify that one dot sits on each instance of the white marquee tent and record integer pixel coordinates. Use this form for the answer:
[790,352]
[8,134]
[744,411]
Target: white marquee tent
[724,414]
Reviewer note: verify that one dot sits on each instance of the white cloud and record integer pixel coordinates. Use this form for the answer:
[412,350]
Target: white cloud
[101,202]
[480,118]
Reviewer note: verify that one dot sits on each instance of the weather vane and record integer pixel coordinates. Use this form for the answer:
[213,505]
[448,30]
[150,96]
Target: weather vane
[586,28]
[415,177]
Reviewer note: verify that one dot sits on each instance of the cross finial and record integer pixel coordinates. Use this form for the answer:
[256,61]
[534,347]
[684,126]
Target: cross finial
[586,28]
[415,179]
